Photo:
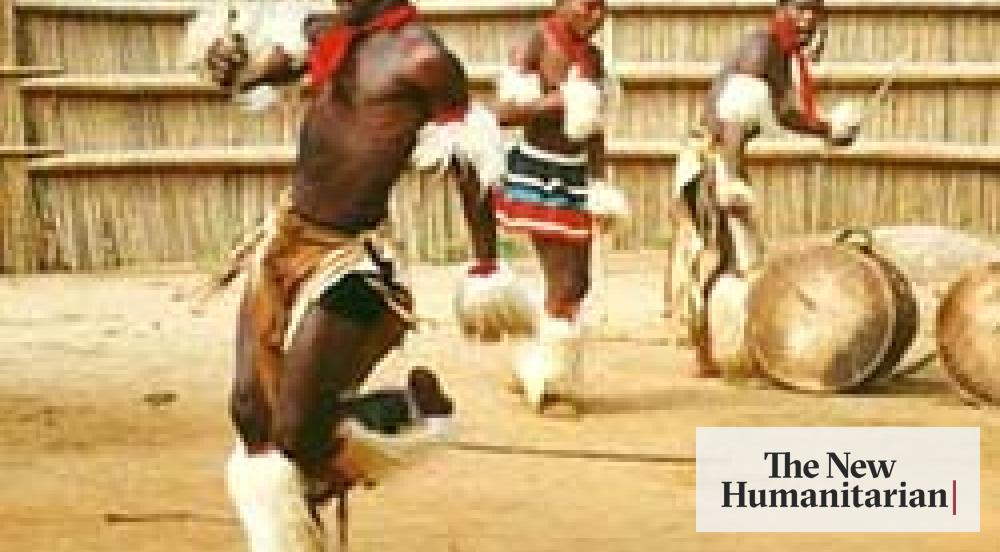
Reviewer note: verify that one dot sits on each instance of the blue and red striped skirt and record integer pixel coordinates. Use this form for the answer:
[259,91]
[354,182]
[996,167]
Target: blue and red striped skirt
[545,194]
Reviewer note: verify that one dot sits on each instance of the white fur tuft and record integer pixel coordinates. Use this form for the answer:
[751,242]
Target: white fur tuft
[583,106]
[733,192]
[844,117]
[606,201]
[210,22]
[495,306]
[746,100]
[727,315]
[269,24]
[551,364]
[517,87]
[477,141]
[379,455]
[269,494]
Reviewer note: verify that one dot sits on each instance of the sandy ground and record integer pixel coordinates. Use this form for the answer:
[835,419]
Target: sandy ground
[114,431]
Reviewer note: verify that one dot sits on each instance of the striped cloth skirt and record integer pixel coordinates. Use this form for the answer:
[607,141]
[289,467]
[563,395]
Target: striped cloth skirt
[545,194]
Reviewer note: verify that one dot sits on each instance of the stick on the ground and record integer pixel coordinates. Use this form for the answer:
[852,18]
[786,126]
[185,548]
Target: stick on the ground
[573,454]
[161,517]
[342,520]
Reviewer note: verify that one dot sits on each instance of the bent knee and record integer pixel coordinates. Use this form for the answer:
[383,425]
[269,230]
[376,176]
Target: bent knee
[249,414]
[307,442]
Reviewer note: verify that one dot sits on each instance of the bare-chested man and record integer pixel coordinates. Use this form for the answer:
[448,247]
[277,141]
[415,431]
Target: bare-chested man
[322,305]
[765,85]
[552,90]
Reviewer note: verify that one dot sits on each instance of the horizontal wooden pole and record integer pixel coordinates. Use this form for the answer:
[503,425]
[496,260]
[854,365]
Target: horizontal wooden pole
[447,8]
[631,73]
[124,84]
[256,156]
[15,151]
[21,71]
[878,152]
[918,153]
[178,9]
[834,73]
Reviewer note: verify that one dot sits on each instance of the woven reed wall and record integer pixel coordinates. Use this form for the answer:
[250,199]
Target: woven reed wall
[97,218]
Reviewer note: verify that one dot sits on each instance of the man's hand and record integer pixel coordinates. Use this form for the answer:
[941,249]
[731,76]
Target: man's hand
[226,58]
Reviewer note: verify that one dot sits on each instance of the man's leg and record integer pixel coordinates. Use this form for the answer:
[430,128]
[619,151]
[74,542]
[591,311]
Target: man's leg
[685,247]
[721,330]
[742,243]
[549,366]
[337,345]
[566,267]
[709,264]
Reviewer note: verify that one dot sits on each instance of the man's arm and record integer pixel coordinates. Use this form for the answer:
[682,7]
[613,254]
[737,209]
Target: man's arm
[525,58]
[597,163]
[277,68]
[442,82]
[752,59]
[230,65]
[790,117]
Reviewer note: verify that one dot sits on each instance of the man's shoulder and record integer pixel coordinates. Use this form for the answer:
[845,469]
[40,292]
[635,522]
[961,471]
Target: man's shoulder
[754,54]
[421,39]
[425,58]
[758,40]
[422,45]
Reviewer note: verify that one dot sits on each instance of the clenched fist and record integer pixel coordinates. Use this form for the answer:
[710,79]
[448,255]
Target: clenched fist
[225,58]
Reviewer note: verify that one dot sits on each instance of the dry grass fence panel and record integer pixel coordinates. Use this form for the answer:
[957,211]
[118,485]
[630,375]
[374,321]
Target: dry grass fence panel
[134,203]
[103,219]
[7,55]
[11,123]
[707,32]
[18,220]
[101,42]
[151,119]
[150,111]
[109,220]
[144,37]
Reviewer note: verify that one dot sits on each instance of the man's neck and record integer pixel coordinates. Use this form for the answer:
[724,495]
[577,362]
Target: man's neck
[565,19]
[362,15]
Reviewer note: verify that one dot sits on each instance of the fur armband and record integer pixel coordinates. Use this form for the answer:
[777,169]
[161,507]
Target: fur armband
[844,117]
[746,100]
[475,139]
[518,87]
[606,201]
[583,106]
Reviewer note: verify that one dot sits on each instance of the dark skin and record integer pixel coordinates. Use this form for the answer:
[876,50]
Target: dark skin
[355,142]
[760,56]
[566,265]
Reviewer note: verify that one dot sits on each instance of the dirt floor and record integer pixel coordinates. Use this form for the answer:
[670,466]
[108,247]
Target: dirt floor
[114,430]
